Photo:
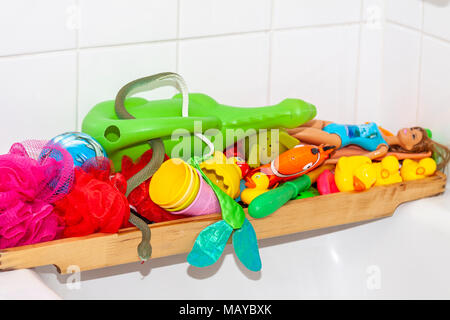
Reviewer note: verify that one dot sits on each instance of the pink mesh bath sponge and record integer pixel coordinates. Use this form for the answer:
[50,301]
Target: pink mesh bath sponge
[29,184]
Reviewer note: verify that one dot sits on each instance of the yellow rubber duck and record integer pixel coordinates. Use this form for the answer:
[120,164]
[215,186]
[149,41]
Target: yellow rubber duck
[259,184]
[224,173]
[413,170]
[355,173]
[387,171]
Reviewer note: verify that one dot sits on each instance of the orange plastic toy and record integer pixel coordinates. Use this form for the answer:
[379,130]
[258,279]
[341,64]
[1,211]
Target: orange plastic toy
[292,164]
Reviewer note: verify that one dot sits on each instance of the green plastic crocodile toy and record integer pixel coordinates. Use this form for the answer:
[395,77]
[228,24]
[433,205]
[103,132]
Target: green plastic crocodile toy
[161,118]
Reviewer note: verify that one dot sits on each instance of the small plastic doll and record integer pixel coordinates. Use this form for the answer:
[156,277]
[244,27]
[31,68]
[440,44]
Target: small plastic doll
[372,141]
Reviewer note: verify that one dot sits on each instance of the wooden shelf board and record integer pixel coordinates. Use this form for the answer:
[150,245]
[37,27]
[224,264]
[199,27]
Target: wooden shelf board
[175,237]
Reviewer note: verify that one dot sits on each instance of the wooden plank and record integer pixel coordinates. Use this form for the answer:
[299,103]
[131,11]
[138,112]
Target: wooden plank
[175,237]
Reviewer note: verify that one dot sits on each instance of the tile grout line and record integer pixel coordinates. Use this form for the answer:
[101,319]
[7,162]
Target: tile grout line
[77,55]
[241,33]
[383,38]
[269,65]
[37,53]
[426,34]
[431,36]
[177,44]
[78,48]
[319,26]
[419,71]
[403,25]
[358,64]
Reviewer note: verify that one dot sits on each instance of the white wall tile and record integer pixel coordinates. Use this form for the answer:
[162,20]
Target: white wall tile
[207,17]
[406,12]
[434,105]
[370,73]
[318,66]
[105,22]
[34,26]
[38,97]
[297,13]
[369,84]
[103,71]
[437,18]
[231,69]
[400,77]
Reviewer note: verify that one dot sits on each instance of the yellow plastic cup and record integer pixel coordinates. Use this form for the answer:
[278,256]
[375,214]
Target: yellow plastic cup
[191,195]
[170,182]
[183,198]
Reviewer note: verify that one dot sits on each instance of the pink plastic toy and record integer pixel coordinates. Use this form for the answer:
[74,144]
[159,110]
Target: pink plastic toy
[326,183]
[205,203]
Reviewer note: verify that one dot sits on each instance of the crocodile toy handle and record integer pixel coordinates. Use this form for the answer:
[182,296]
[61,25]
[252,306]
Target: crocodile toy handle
[147,84]
[154,82]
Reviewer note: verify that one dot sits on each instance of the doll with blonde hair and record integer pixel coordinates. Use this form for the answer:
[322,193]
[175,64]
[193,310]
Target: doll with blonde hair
[372,141]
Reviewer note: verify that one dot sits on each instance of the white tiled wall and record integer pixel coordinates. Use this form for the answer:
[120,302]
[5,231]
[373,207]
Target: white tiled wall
[302,13]
[117,22]
[401,54]
[356,60]
[213,17]
[103,71]
[406,12]
[37,96]
[369,78]
[36,26]
[421,41]
[434,94]
[233,68]
[328,80]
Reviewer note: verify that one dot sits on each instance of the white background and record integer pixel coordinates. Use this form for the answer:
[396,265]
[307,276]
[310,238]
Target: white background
[357,60]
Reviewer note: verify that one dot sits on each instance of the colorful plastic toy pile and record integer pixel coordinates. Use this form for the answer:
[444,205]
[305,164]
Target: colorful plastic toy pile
[117,174]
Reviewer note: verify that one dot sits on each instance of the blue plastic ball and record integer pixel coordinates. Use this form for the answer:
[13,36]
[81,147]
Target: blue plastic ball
[81,146]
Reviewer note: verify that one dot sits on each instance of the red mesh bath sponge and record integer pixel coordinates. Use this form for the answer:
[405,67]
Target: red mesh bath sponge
[96,203]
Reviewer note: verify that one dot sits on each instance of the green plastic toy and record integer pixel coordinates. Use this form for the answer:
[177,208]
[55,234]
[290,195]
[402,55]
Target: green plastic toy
[311,192]
[210,243]
[161,118]
[270,201]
